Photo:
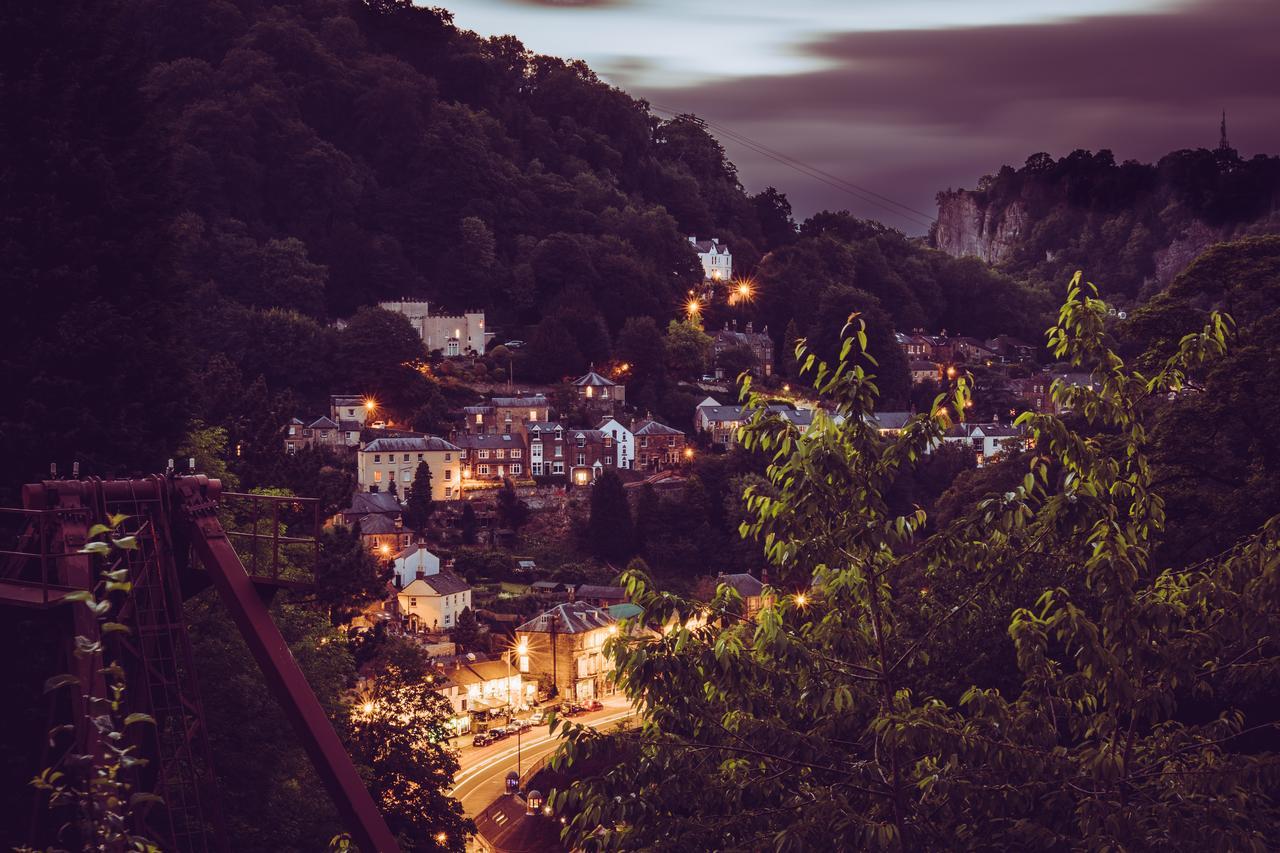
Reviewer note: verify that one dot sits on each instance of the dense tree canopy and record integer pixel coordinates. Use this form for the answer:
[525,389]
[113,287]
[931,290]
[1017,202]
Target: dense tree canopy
[1120,720]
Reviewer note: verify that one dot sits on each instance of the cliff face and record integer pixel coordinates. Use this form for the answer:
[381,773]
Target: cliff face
[968,226]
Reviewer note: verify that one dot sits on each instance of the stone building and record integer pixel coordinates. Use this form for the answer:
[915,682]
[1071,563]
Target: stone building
[451,334]
[566,645]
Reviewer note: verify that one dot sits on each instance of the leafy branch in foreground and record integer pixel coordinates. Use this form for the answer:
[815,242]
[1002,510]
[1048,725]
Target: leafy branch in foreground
[95,786]
[823,722]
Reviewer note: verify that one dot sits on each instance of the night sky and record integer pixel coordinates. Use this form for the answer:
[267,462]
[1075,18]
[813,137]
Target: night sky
[907,97]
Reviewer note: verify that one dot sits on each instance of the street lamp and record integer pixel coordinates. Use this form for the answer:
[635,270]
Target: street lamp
[693,308]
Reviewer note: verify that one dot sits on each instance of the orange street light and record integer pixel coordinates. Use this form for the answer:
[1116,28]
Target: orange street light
[801,599]
[693,307]
[370,404]
[688,453]
[384,549]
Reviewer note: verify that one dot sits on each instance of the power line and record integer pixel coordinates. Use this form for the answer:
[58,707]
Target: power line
[868,196]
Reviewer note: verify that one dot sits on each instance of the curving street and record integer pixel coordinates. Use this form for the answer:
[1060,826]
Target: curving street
[484,770]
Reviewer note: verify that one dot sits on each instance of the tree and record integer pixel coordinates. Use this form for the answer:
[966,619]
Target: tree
[733,360]
[513,513]
[688,348]
[399,730]
[610,533]
[1120,726]
[347,577]
[419,506]
[467,524]
[467,632]
[640,347]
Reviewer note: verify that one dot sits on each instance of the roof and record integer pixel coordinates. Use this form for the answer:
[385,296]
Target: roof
[519,402]
[722,414]
[547,585]
[350,425]
[504,825]
[543,426]
[588,590]
[799,417]
[651,427]
[488,441]
[476,672]
[708,247]
[572,617]
[592,436]
[593,378]
[625,610]
[477,410]
[746,585]
[733,336]
[363,503]
[346,400]
[890,420]
[322,423]
[392,445]
[444,582]
[377,524]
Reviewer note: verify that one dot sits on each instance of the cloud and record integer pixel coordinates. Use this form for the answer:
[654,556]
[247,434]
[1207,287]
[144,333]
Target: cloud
[908,112]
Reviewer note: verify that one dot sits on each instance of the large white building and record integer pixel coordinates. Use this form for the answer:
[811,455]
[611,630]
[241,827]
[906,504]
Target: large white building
[717,263]
[384,461]
[452,334]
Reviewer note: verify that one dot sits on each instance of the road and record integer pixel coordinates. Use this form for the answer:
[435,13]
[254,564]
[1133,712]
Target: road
[483,771]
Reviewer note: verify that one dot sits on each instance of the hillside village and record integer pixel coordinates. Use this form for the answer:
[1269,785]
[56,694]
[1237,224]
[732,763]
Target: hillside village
[490,575]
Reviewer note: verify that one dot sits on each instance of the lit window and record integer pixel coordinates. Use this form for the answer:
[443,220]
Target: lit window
[516,453]
[377,476]
[499,454]
[524,663]
[533,414]
[479,418]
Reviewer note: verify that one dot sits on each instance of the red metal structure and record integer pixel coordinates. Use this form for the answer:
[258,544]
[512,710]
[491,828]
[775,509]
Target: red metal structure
[183,548]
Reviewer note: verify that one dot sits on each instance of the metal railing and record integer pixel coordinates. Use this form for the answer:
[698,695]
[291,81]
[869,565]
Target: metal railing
[28,563]
[277,537]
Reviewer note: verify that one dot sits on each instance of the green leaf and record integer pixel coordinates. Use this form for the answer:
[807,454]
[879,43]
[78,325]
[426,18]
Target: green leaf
[98,530]
[126,543]
[95,548]
[138,717]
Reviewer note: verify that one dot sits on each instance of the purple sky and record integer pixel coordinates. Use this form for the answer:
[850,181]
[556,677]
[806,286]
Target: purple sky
[907,97]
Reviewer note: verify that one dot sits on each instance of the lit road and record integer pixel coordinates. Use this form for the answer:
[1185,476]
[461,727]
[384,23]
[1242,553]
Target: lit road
[483,771]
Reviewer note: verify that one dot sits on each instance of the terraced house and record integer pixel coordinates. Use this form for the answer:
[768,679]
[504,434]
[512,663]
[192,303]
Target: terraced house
[493,458]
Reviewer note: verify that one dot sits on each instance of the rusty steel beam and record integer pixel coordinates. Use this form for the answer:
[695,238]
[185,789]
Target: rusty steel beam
[283,676]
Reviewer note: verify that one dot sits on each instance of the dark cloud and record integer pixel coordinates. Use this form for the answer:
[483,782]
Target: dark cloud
[912,111]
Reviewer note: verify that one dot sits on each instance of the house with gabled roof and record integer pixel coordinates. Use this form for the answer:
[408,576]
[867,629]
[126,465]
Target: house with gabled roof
[566,644]
[547,454]
[598,394]
[657,445]
[623,440]
[433,602]
[490,459]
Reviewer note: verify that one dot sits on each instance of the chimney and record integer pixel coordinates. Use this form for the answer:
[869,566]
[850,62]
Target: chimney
[764,576]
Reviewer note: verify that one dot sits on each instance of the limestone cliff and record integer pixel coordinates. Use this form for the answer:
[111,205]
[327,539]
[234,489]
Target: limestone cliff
[967,225]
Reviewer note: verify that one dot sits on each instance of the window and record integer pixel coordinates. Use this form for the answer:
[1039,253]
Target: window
[406,477]
[448,492]
[413,602]
[516,453]
[582,441]
[557,468]
[484,470]
[559,451]
[499,454]
[582,459]
[608,442]
[448,457]
[377,476]
[608,460]
[419,457]
[524,663]
[484,454]
[293,430]
[406,458]
[644,441]
[448,473]
[377,457]
[533,414]
[671,442]
[479,418]
[516,468]
[537,469]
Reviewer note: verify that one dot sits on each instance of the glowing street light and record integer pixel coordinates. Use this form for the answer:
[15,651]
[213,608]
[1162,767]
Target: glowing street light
[384,549]
[693,307]
[801,599]
[366,708]
[370,404]
[688,453]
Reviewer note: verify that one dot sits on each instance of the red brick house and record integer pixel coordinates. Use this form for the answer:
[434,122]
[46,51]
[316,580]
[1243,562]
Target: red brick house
[657,445]
[493,458]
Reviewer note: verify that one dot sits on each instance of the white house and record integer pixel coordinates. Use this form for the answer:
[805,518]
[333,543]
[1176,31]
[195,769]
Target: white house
[717,263]
[623,440]
[487,686]
[384,461]
[434,602]
[414,562]
[452,334]
[988,441]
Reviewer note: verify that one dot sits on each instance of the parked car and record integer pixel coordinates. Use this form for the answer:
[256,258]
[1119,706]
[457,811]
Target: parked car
[523,725]
[537,717]
[568,709]
[500,733]
[514,344]
[595,705]
[482,739]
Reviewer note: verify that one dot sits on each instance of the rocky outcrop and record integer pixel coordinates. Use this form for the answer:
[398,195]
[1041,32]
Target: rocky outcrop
[966,225]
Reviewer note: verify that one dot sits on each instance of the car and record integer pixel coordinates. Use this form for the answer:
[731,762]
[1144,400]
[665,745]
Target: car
[708,378]
[568,709]
[513,344]
[523,725]
[482,739]
[499,733]
[537,717]
[595,705]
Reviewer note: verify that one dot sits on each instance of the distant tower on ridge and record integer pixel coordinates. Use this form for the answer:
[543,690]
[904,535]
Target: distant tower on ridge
[1223,144]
